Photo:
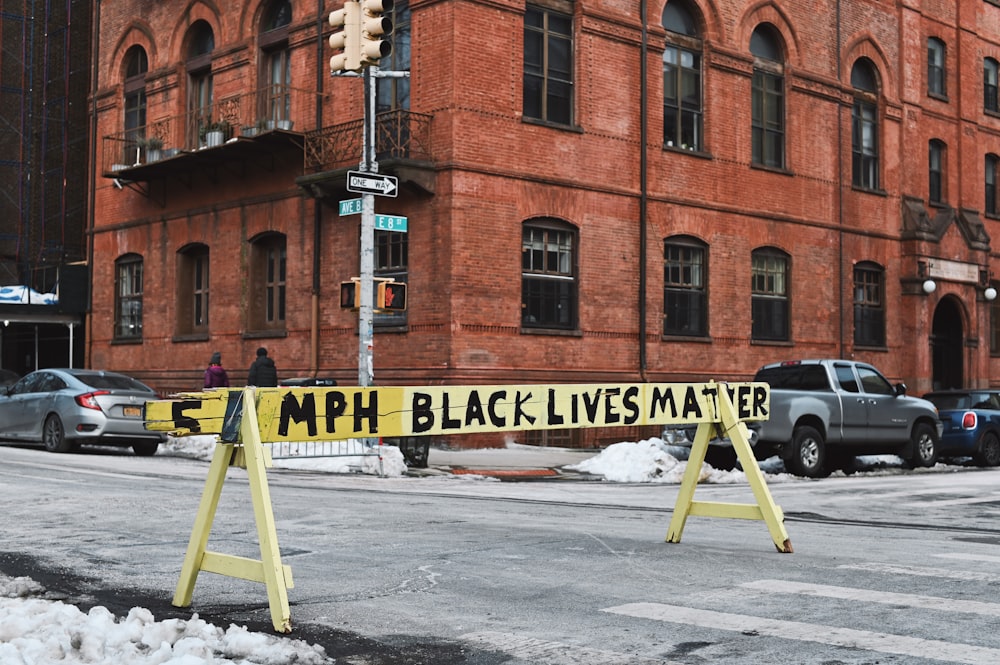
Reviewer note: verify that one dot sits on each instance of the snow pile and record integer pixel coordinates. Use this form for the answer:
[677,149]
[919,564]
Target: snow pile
[651,461]
[35,631]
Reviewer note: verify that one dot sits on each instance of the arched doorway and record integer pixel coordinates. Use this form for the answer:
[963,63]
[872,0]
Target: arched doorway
[947,344]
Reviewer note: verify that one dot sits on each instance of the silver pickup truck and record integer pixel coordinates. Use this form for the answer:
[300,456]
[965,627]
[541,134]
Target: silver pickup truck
[825,412]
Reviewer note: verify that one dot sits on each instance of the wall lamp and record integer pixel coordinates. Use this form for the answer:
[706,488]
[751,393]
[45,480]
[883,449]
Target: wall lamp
[929,285]
[985,281]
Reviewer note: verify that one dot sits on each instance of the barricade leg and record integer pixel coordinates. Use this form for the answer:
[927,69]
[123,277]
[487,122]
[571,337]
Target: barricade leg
[274,572]
[765,509]
[249,453]
[203,524]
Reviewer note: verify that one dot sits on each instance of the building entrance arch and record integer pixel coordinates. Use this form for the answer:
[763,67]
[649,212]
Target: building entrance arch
[947,335]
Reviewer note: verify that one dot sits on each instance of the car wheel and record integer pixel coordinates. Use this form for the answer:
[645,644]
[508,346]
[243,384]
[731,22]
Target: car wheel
[145,449]
[808,456]
[989,450]
[925,447]
[54,436]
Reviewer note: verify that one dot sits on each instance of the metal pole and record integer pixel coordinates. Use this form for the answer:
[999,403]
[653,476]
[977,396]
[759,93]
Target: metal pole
[366,337]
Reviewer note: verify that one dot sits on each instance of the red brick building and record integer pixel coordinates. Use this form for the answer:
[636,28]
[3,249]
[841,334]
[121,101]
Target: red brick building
[596,191]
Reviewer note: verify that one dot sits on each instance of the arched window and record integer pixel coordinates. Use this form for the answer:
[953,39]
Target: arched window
[767,98]
[685,287]
[192,290]
[769,295]
[869,304]
[268,260]
[200,44]
[136,66]
[682,102]
[276,61]
[990,73]
[864,125]
[936,163]
[548,274]
[128,297]
[990,206]
[936,68]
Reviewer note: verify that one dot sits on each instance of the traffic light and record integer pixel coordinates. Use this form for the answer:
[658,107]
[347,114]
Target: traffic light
[374,26]
[392,296]
[350,294]
[348,40]
[387,295]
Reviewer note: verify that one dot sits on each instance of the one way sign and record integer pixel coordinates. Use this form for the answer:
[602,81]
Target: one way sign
[372,183]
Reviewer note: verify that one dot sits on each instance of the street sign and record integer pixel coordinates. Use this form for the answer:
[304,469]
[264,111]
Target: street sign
[350,207]
[390,223]
[372,183]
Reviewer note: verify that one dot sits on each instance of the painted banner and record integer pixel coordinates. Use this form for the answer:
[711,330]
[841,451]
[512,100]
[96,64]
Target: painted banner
[324,414]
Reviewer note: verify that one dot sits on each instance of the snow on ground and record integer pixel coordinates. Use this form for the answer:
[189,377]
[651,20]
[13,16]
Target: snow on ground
[38,631]
[654,461]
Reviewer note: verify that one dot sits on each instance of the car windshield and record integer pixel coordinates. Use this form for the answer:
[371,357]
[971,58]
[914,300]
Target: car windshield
[113,382]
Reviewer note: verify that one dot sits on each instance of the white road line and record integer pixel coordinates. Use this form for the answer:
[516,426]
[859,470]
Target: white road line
[808,632]
[554,653]
[964,556]
[868,596]
[944,503]
[947,573]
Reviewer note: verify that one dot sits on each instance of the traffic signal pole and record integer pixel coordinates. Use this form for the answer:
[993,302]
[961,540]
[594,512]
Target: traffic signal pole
[366,313]
[357,41]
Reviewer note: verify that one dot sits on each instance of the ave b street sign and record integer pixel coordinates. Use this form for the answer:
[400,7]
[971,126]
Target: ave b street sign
[350,207]
[372,183]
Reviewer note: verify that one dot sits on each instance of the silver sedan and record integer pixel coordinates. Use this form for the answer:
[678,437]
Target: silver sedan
[63,408]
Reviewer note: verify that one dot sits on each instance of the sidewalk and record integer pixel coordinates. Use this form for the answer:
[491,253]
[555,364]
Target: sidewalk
[518,461]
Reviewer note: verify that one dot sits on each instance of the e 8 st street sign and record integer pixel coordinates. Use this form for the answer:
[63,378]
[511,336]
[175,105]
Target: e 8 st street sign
[372,183]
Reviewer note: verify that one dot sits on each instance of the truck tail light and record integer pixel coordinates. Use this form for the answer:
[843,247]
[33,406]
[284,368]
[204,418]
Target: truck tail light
[969,420]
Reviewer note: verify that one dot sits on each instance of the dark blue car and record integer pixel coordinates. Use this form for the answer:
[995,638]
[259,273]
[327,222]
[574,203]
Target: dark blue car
[971,424]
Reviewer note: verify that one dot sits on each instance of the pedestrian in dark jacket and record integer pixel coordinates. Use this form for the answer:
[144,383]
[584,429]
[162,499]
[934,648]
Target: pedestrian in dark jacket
[263,371]
[215,375]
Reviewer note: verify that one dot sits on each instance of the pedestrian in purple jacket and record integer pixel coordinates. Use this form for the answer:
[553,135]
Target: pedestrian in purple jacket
[215,375]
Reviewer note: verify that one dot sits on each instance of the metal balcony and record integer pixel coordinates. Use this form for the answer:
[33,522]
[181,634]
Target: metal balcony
[237,127]
[402,147]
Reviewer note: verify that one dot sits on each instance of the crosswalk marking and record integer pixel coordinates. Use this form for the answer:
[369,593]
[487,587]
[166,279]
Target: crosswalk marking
[884,597]
[555,653]
[808,632]
[947,573]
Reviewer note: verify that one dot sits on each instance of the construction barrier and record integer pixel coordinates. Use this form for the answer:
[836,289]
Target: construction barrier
[246,418]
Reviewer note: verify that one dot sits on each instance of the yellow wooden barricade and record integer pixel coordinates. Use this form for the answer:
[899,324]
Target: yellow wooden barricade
[246,418]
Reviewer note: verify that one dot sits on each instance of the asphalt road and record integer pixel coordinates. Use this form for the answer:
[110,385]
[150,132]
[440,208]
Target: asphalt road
[886,569]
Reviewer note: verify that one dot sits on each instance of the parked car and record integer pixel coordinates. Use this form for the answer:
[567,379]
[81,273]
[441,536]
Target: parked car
[8,377]
[826,412]
[63,408]
[971,424]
